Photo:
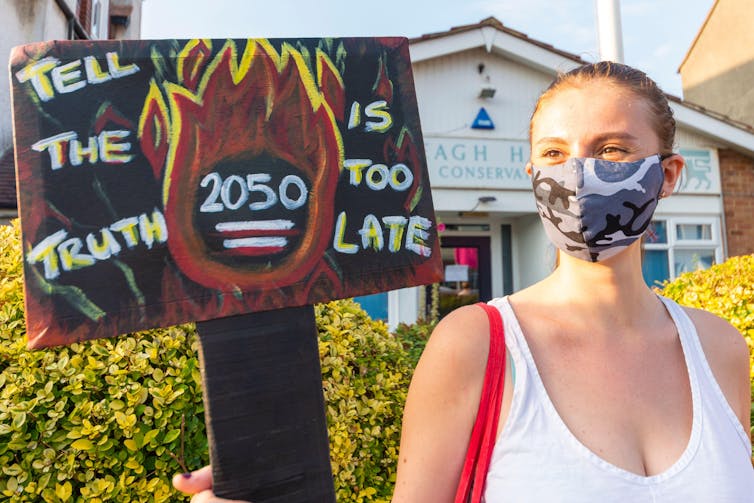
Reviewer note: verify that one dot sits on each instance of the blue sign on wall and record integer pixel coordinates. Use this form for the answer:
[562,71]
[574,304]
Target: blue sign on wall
[482,120]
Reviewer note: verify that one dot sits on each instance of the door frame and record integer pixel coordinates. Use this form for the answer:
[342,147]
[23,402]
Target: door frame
[482,244]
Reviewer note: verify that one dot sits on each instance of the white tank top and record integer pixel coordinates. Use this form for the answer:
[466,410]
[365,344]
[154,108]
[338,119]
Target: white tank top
[537,459]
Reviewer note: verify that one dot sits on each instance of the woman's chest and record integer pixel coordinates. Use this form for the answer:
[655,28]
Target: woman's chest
[628,402]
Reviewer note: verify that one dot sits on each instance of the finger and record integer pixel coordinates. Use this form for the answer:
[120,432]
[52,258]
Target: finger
[209,497]
[194,482]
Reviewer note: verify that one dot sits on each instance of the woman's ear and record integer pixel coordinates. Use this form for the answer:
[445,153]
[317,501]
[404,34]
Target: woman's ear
[528,168]
[672,167]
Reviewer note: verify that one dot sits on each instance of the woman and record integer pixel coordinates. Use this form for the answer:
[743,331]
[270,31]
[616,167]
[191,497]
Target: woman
[618,395]
[612,399]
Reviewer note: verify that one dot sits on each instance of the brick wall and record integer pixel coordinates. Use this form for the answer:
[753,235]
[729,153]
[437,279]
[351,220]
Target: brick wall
[737,177]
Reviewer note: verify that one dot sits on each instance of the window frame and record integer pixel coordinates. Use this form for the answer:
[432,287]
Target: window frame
[95,22]
[673,244]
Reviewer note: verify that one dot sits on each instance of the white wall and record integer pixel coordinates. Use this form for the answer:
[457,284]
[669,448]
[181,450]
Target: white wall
[447,91]
[534,255]
[685,138]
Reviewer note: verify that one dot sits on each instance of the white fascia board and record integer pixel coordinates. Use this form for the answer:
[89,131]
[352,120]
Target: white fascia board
[512,47]
[531,54]
[732,136]
[443,46]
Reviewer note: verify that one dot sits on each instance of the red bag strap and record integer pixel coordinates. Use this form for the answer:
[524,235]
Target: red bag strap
[479,452]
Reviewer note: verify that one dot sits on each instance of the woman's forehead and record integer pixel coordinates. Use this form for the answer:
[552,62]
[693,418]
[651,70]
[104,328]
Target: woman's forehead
[596,94]
[594,108]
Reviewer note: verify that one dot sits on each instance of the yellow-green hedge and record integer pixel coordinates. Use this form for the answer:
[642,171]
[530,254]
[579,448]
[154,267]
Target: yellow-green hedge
[725,289]
[366,373]
[114,419]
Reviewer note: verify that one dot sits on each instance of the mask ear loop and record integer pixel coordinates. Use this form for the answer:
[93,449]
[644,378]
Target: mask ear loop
[662,157]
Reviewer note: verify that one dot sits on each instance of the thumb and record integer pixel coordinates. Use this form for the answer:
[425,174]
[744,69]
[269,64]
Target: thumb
[199,482]
[194,482]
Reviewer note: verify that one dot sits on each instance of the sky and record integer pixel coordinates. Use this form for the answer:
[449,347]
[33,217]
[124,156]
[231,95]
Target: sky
[656,33]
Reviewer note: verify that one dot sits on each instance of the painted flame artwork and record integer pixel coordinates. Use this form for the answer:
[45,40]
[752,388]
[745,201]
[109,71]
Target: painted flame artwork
[171,181]
[287,132]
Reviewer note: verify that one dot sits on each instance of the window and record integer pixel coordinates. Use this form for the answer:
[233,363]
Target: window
[673,246]
[96,19]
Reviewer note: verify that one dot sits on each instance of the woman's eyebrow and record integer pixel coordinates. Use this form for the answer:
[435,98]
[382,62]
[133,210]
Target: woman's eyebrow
[619,135]
[550,139]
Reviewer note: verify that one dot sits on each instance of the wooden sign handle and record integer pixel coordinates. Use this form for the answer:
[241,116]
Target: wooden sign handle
[264,407]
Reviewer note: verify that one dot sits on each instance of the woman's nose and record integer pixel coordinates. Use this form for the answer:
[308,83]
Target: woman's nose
[578,150]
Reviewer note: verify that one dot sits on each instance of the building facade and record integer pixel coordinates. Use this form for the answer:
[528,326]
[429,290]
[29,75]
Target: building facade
[26,21]
[476,88]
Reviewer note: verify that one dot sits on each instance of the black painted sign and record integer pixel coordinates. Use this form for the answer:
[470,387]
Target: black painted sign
[170,181]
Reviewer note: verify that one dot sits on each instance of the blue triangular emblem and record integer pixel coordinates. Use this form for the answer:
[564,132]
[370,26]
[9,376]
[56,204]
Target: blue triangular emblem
[482,120]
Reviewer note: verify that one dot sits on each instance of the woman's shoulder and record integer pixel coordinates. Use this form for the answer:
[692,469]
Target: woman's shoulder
[460,340]
[453,362]
[441,406]
[720,340]
[727,353]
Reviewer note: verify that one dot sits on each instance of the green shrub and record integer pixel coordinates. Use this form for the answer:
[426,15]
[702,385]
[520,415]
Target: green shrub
[414,337]
[725,289]
[106,420]
[449,303]
[366,373]
[114,419]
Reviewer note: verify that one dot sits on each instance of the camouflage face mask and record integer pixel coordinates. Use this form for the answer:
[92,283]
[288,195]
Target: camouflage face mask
[591,208]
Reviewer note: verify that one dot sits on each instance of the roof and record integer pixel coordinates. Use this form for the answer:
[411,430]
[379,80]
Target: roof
[493,22]
[7,180]
[494,36]
[716,115]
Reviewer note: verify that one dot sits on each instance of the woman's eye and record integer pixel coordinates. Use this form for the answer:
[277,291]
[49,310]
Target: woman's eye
[612,152]
[551,154]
